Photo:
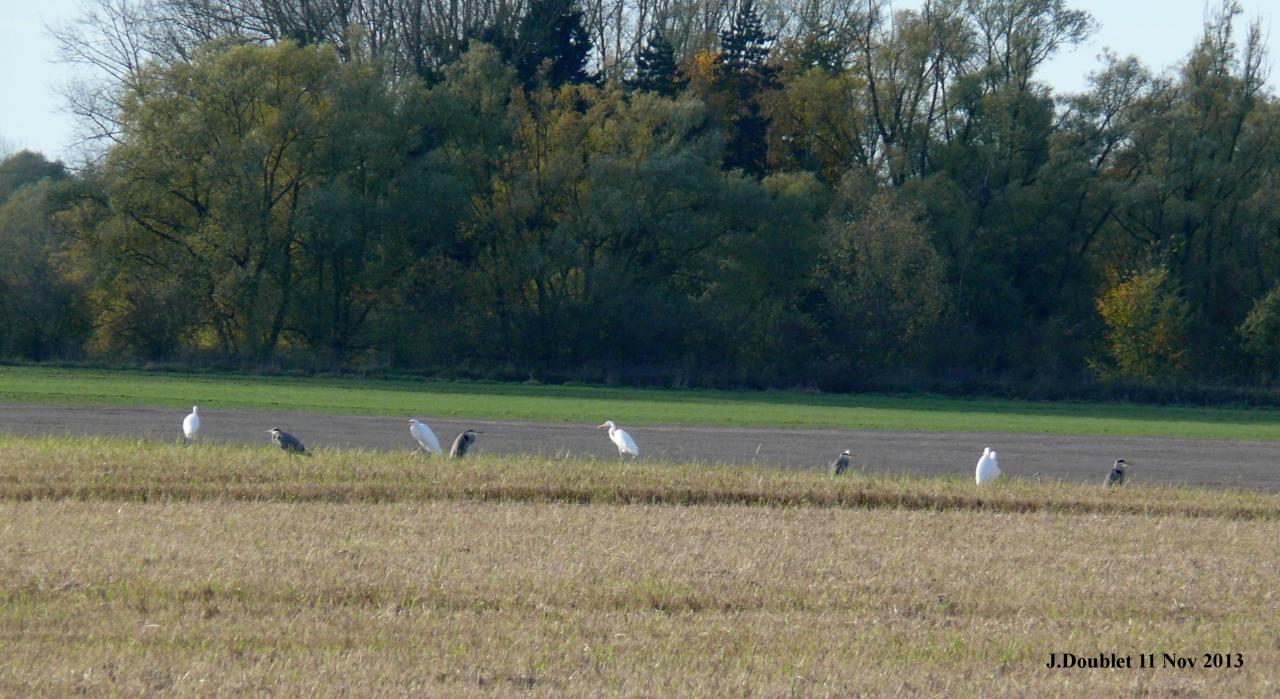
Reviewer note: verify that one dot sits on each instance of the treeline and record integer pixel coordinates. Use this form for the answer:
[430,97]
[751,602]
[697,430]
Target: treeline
[693,192]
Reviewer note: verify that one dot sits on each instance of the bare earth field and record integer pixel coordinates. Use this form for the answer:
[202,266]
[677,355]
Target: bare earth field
[1253,465]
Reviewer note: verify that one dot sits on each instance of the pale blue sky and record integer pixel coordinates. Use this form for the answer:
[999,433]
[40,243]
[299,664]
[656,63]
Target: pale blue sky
[1160,32]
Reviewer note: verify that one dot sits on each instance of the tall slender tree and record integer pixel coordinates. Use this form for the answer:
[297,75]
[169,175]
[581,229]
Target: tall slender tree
[745,46]
[552,46]
[745,75]
[656,69]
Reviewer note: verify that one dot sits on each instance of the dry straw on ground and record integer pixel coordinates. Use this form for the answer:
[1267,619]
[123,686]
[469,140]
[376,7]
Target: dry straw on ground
[244,572]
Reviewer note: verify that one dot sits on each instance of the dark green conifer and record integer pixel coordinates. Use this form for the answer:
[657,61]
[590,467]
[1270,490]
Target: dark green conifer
[552,44]
[656,69]
[746,75]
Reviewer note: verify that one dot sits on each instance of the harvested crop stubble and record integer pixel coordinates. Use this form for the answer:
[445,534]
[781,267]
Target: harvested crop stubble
[93,469]
[484,598]
[131,567]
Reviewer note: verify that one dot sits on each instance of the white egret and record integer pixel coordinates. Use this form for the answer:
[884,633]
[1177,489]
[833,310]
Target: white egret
[988,468]
[289,443]
[626,445]
[191,425]
[1116,476]
[462,444]
[841,464]
[424,435]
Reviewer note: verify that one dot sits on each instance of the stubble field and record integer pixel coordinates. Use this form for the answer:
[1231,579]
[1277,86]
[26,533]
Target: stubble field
[132,567]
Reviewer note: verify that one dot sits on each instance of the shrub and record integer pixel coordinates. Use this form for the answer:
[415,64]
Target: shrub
[1146,321]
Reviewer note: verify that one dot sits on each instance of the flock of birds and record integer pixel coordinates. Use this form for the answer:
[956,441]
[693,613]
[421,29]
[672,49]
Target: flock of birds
[987,470]
[420,431]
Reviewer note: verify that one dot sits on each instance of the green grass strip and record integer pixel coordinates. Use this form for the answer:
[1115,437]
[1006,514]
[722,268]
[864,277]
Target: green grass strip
[543,403]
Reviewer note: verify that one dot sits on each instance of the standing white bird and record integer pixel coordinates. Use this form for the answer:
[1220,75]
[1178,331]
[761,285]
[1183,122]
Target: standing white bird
[988,468]
[626,445]
[424,435]
[191,425]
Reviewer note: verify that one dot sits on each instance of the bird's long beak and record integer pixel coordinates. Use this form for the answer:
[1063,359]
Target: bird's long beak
[599,426]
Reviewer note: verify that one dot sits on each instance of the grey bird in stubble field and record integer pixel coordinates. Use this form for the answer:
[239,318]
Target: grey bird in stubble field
[462,444]
[287,442]
[1116,476]
[841,464]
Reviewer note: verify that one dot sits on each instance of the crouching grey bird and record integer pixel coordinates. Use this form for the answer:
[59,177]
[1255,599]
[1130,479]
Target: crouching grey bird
[289,443]
[462,444]
[841,464]
[1116,476]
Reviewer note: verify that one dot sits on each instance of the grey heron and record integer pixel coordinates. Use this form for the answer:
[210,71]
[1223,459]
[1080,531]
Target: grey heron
[1116,476]
[624,442]
[462,444]
[841,464]
[289,443]
[424,435]
[191,425]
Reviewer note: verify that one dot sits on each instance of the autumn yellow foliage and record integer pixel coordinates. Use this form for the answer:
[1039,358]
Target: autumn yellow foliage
[1146,336]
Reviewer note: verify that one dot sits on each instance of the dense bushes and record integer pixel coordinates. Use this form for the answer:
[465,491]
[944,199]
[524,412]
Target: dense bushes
[867,200]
